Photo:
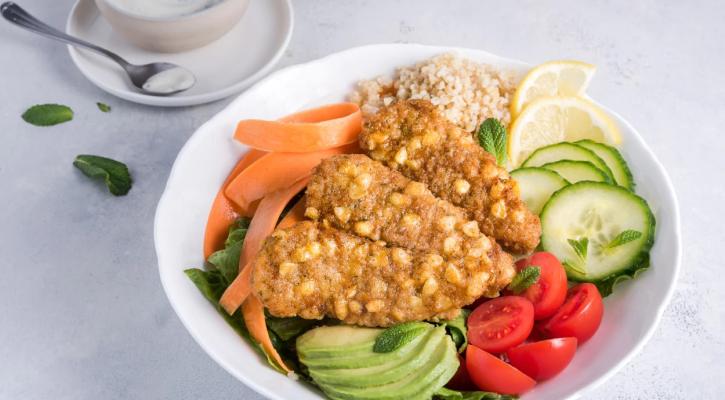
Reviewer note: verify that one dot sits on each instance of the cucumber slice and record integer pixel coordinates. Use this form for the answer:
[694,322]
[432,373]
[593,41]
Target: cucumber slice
[615,162]
[590,215]
[565,151]
[537,185]
[577,171]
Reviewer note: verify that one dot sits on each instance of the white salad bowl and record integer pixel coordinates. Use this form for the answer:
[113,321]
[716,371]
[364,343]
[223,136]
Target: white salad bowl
[631,313]
[174,34]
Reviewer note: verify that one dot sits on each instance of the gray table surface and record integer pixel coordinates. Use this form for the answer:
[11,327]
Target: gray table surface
[82,312]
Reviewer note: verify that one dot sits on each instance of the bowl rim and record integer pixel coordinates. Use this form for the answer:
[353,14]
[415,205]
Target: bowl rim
[645,338]
[178,18]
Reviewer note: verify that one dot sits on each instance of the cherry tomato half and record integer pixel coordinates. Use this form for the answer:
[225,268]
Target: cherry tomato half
[542,360]
[579,317]
[491,374]
[461,380]
[549,292]
[501,323]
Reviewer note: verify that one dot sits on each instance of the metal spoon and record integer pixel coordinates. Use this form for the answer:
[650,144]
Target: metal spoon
[141,75]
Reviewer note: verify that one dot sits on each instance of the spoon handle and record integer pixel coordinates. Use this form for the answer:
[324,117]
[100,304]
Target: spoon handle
[18,16]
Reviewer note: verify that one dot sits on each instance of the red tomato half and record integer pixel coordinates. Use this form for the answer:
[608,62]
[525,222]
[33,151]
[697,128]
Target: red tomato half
[549,292]
[542,360]
[580,315]
[461,380]
[491,374]
[501,323]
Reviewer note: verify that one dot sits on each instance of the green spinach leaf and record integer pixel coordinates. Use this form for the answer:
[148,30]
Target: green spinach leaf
[226,260]
[458,330]
[450,394]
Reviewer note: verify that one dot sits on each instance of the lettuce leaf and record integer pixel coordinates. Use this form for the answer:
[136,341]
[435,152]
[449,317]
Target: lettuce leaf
[222,268]
[457,329]
[226,260]
[449,394]
[289,328]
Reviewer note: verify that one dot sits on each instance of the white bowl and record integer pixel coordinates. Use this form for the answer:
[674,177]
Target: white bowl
[174,34]
[631,313]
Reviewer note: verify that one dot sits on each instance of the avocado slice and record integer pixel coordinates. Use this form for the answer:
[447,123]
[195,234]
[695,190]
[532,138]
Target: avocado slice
[414,371]
[419,384]
[327,341]
[356,355]
[395,366]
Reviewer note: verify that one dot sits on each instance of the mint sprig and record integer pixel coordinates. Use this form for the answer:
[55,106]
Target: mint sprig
[581,247]
[524,279]
[113,172]
[623,237]
[398,336]
[492,137]
[47,114]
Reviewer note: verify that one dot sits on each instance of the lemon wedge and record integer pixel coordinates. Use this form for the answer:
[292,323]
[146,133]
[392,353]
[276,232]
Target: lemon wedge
[550,120]
[555,78]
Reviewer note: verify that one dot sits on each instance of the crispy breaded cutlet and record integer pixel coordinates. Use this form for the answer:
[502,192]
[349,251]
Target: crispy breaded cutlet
[313,271]
[414,138]
[362,196]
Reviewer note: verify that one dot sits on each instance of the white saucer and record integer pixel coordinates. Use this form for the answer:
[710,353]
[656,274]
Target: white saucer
[222,68]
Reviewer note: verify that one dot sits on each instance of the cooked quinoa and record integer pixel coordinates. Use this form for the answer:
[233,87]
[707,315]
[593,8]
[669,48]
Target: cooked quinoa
[464,91]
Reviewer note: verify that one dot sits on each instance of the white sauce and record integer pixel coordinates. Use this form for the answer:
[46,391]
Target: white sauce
[163,8]
[170,81]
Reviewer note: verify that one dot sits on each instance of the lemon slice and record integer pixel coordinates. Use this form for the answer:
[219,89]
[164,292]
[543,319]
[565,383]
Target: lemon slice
[555,78]
[550,120]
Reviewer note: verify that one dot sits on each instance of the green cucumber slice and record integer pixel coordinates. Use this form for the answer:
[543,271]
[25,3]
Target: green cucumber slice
[537,185]
[615,162]
[577,171]
[593,214]
[565,151]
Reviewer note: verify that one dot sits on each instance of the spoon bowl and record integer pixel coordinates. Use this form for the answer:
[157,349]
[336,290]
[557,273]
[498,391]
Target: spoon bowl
[157,79]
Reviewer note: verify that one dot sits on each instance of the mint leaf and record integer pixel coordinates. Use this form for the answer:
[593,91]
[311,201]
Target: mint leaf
[581,247]
[458,330]
[450,394]
[226,260]
[525,278]
[115,173]
[624,237]
[398,336]
[492,137]
[103,107]
[47,114]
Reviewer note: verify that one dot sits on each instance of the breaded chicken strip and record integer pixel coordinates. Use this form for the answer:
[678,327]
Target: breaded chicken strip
[414,138]
[364,197]
[313,271]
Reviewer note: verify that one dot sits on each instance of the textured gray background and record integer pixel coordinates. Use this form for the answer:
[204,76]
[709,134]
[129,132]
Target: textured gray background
[82,313]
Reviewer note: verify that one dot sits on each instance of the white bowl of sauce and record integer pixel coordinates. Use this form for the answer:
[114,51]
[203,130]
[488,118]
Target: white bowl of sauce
[172,26]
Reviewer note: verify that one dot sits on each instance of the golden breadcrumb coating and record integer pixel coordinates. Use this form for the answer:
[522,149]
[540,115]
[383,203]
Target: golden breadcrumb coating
[366,198]
[313,271]
[414,138]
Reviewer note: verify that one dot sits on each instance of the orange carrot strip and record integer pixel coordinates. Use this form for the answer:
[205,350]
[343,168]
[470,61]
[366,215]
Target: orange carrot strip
[274,171]
[262,225]
[222,212]
[316,129]
[253,312]
[295,215]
